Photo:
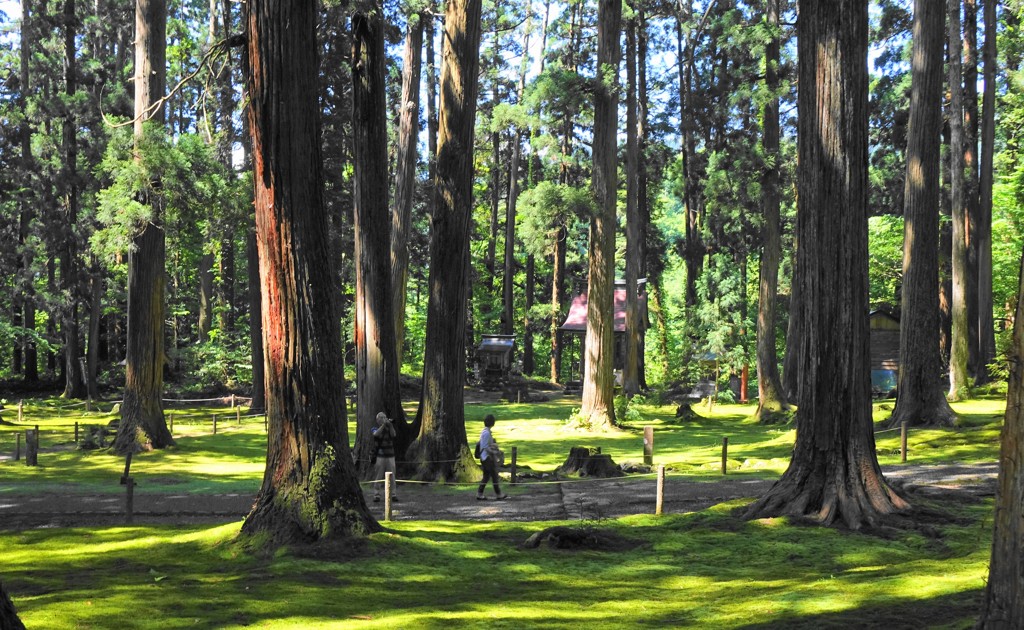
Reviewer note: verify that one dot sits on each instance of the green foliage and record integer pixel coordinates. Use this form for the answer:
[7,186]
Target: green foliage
[547,208]
[627,410]
[214,364]
[885,259]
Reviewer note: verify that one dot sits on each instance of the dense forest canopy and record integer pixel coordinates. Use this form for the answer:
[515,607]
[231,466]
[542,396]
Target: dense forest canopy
[695,84]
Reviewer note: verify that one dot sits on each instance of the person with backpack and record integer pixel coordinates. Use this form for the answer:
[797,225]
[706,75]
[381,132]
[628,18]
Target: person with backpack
[384,438]
[489,453]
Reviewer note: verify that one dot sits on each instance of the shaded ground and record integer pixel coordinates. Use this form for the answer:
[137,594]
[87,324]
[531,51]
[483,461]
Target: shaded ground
[529,501]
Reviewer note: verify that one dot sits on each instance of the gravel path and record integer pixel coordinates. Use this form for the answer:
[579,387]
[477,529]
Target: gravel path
[528,501]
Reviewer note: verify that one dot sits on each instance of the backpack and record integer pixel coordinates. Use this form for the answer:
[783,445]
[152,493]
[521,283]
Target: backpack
[476,452]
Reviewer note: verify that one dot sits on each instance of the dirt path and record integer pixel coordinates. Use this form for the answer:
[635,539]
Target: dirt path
[529,501]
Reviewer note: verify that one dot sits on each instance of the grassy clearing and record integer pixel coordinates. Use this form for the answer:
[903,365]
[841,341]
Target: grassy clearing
[704,570]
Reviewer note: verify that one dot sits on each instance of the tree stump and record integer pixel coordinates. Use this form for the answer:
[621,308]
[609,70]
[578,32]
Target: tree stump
[589,462]
[685,413]
[582,538]
[8,615]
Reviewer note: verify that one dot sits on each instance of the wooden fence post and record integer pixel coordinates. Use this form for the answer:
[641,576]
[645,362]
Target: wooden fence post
[660,501]
[389,480]
[238,414]
[31,447]
[725,454]
[215,424]
[232,401]
[76,432]
[903,441]
[171,417]
[649,445]
[129,501]
[17,448]
[126,475]
[515,452]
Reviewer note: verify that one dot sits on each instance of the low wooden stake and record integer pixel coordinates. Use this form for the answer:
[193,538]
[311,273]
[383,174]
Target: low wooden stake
[660,501]
[232,401]
[389,480]
[903,441]
[238,414]
[17,448]
[725,454]
[171,417]
[649,445]
[215,424]
[76,432]
[515,452]
[129,501]
[126,475]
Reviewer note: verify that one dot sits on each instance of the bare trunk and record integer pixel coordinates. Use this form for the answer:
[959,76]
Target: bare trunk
[96,288]
[986,327]
[204,323]
[557,297]
[971,203]
[405,174]
[376,363]
[25,357]
[310,490]
[958,355]
[921,398]
[833,476]
[631,369]
[771,396]
[74,381]
[440,451]
[598,380]
[259,398]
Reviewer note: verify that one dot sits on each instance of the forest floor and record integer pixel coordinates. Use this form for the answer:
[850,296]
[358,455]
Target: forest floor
[531,500]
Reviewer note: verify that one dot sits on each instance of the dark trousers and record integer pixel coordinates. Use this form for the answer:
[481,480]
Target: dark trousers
[490,473]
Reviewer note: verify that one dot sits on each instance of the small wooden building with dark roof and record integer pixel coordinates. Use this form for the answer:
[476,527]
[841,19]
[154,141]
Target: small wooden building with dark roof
[885,351]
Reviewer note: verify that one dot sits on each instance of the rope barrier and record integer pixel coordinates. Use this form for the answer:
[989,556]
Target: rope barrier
[521,482]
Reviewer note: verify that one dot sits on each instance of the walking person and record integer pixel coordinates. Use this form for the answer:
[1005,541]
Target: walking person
[489,455]
[384,437]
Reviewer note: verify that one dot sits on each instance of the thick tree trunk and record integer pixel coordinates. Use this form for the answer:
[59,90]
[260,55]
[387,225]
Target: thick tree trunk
[310,490]
[377,366]
[986,326]
[833,476]
[772,397]
[440,451]
[405,173]
[259,398]
[26,359]
[598,379]
[1003,606]
[96,288]
[529,362]
[631,369]
[508,305]
[9,619]
[74,383]
[921,399]
[557,297]
[971,202]
[643,200]
[142,416]
[693,252]
[958,354]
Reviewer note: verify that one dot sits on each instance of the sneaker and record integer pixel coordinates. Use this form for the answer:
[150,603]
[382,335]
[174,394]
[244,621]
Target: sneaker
[481,497]
[376,499]
[501,497]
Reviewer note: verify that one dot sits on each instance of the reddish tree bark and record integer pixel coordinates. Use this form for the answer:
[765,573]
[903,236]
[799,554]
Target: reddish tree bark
[986,325]
[598,380]
[833,476]
[440,450]
[959,347]
[631,369]
[310,490]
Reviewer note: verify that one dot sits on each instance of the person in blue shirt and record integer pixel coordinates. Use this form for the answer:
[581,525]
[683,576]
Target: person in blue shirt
[489,461]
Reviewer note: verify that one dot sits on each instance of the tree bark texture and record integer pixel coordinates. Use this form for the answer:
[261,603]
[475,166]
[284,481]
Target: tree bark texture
[26,358]
[74,381]
[833,477]
[771,397]
[204,323]
[376,362]
[405,174]
[921,399]
[1003,606]
[9,619]
[252,256]
[310,490]
[986,326]
[557,298]
[440,451]
[598,379]
[958,353]
[971,204]
[631,368]
[142,416]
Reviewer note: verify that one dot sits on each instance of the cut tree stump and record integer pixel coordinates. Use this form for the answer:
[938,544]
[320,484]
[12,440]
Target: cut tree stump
[583,538]
[589,462]
[685,413]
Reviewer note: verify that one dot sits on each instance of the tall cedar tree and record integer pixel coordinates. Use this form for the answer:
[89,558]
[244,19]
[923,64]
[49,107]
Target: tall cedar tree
[74,383]
[921,396]
[440,449]
[833,476]
[405,172]
[26,355]
[142,414]
[971,207]
[986,326]
[376,362]
[631,369]
[598,381]
[772,399]
[310,490]
[958,353]
[1003,606]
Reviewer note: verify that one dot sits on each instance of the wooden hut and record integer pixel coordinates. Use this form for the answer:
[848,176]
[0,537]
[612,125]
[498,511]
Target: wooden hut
[494,358]
[574,333]
[885,351]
